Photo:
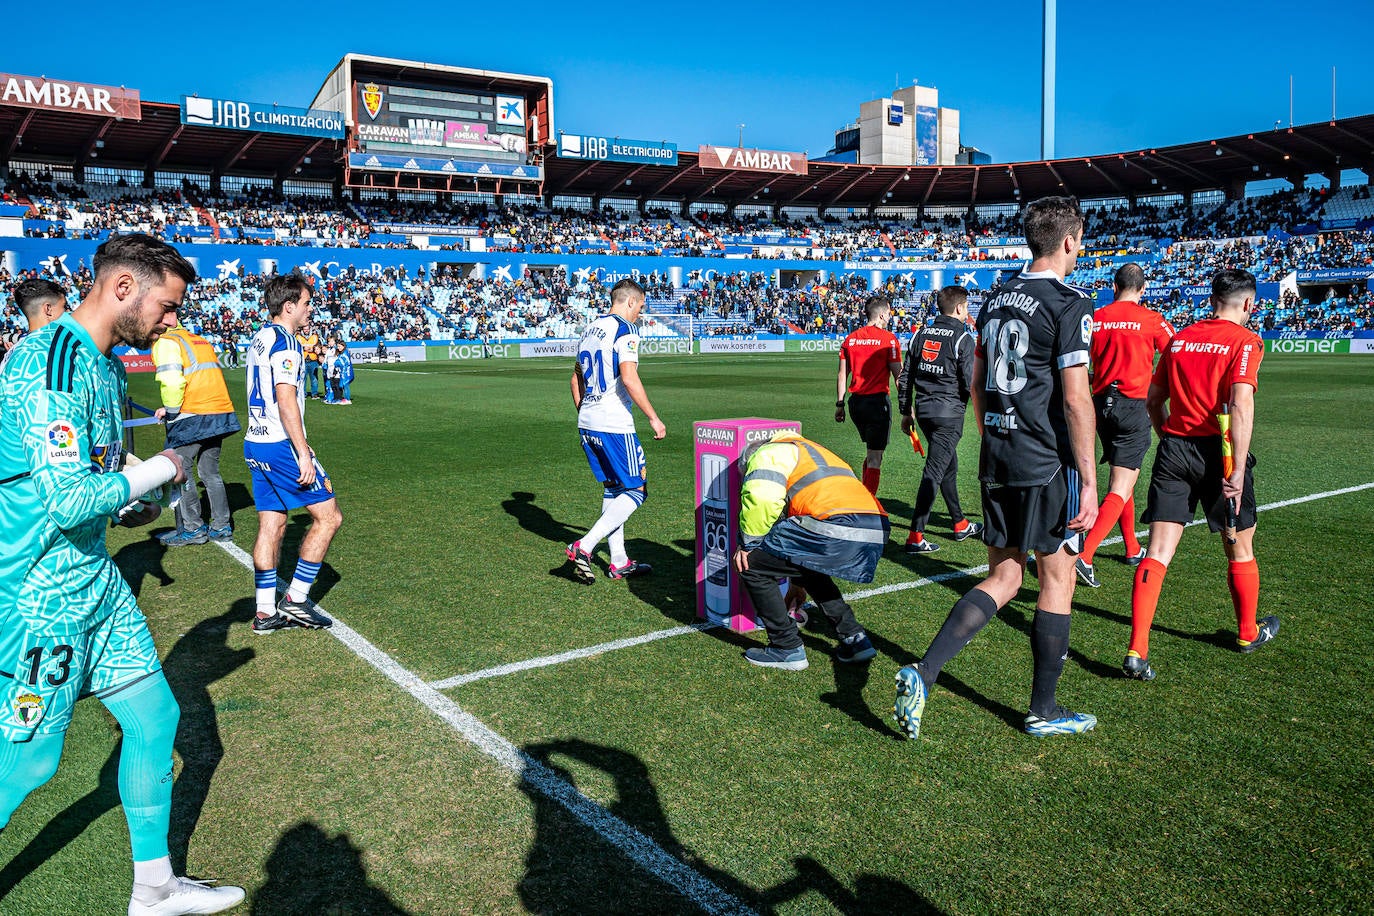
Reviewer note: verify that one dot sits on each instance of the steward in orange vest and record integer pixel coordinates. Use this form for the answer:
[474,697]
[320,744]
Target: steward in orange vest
[805,517]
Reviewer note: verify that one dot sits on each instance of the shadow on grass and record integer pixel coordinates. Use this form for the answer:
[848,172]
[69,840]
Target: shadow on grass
[198,659]
[536,519]
[311,873]
[1222,638]
[578,864]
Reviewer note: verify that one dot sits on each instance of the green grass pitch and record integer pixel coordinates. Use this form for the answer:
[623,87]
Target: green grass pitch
[1231,783]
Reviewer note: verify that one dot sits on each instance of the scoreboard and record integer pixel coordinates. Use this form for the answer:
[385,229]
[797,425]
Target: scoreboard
[424,126]
[416,118]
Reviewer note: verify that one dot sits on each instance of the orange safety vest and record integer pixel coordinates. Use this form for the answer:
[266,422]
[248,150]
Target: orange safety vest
[205,389]
[822,485]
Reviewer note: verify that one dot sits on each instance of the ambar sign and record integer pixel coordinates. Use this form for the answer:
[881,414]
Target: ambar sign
[65,95]
[751,160]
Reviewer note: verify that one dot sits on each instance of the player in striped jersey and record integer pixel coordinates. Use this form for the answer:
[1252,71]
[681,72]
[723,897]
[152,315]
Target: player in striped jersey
[605,384]
[286,474]
[69,624]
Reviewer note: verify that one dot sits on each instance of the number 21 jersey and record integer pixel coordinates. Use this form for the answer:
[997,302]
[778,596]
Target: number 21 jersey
[1029,332]
[608,341]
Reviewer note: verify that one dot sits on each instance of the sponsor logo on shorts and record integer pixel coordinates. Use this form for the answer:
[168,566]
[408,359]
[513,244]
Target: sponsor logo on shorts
[28,709]
[62,443]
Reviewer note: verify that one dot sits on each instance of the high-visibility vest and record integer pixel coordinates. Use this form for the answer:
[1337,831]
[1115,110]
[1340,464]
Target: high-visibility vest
[310,346]
[205,391]
[822,485]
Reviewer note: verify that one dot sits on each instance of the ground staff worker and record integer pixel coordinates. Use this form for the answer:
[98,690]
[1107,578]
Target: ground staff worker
[199,417]
[805,517]
[933,392]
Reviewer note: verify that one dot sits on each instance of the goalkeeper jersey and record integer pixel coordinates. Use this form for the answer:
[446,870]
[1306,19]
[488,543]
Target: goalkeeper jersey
[61,434]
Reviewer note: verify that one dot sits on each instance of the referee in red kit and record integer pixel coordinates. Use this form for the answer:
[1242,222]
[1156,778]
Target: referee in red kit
[1126,337]
[1209,366]
[870,356]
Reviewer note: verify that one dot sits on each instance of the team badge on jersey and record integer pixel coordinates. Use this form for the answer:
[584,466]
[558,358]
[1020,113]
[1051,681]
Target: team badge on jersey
[62,443]
[28,710]
[105,458]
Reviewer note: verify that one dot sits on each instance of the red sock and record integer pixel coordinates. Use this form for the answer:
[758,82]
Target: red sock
[871,476]
[1244,581]
[915,537]
[1132,543]
[1149,579]
[1106,518]
[960,525]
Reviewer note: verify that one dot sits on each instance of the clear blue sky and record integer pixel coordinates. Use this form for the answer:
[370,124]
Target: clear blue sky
[1130,75]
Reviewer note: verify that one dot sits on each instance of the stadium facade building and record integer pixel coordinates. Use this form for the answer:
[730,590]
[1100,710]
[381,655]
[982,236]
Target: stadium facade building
[910,128]
[82,127]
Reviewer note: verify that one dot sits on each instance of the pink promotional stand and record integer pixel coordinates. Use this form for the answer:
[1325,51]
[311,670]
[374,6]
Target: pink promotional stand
[719,443]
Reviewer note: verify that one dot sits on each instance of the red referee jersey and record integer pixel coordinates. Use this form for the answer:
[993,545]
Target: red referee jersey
[1198,369]
[1126,337]
[867,353]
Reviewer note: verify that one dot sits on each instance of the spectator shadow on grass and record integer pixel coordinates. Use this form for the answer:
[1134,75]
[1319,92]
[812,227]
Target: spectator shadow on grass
[311,873]
[197,660]
[572,867]
[876,894]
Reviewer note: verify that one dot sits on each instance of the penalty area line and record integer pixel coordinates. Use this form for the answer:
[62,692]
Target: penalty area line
[642,849]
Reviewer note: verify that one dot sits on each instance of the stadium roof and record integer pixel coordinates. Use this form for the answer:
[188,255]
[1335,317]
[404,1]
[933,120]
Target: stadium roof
[161,141]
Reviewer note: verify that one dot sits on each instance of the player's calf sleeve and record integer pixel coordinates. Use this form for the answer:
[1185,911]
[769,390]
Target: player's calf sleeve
[1129,541]
[969,615]
[148,715]
[1244,581]
[871,478]
[614,514]
[24,766]
[1149,579]
[1107,514]
[1049,649]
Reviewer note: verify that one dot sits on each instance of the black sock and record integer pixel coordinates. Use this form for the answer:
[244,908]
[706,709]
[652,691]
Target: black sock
[1049,648]
[970,614]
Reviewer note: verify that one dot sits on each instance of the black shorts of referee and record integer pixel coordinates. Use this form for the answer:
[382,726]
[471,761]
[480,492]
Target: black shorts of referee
[872,415]
[1123,425]
[1033,518]
[1187,473]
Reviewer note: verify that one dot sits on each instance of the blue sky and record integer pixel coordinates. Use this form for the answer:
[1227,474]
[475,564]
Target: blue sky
[1130,76]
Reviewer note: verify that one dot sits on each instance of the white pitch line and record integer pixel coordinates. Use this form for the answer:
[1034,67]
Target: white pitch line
[515,667]
[392,371]
[545,661]
[640,848]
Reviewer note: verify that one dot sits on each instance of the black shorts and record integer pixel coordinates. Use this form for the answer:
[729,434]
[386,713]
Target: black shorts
[1033,518]
[1187,472]
[872,414]
[1123,424]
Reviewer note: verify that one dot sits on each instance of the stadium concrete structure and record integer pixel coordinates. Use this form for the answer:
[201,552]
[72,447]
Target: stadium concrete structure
[152,137]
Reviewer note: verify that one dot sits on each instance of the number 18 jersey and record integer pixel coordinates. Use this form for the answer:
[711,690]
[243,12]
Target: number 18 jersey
[608,341]
[1034,328]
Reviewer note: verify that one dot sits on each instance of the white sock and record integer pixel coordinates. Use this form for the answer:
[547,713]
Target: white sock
[614,514]
[154,872]
[616,541]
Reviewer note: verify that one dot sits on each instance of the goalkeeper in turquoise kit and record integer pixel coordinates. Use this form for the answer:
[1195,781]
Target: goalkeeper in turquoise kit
[69,625]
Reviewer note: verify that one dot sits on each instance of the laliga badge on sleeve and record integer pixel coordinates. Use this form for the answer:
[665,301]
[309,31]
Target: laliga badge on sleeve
[61,443]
